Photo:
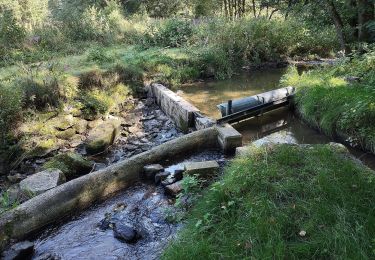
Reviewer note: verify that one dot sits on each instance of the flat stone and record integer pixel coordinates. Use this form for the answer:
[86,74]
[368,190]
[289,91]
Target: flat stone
[22,251]
[202,122]
[125,233]
[42,181]
[242,151]
[203,169]
[174,189]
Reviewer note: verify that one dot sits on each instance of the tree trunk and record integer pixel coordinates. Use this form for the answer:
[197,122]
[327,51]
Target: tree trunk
[338,24]
[365,15]
[254,9]
[225,8]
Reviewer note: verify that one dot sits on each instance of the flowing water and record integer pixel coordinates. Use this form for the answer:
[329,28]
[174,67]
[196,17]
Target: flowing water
[83,236]
[282,124]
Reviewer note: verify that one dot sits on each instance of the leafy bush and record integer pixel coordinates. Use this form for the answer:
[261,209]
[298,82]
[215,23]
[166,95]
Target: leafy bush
[171,33]
[11,33]
[99,55]
[95,102]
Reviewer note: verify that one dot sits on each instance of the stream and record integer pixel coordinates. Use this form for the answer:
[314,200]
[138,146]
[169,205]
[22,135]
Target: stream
[83,235]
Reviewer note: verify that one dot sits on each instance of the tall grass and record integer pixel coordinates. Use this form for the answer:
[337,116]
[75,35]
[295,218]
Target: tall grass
[330,100]
[286,202]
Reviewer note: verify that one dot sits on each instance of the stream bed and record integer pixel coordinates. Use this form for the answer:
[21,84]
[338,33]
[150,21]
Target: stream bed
[89,235]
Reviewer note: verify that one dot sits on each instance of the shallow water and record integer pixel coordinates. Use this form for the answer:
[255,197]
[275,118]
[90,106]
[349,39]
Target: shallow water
[284,126]
[207,95]
[143,206]
[81,238]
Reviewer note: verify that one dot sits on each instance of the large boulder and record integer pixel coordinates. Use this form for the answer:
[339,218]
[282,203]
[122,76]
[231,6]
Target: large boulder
[71,164]
[102,136]
[42,181]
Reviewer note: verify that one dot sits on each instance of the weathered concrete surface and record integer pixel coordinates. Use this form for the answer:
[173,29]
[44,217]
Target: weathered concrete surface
[42,181]
[181,111]
[229,138]
[202,169]
[80,193]
[202,122]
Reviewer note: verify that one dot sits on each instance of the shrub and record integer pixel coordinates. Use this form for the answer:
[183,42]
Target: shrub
[90,80]
[171,33]
[99,55]
[95,102]
[11,33]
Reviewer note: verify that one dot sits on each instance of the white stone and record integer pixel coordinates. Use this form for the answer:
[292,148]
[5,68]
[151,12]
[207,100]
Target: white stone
[42,181]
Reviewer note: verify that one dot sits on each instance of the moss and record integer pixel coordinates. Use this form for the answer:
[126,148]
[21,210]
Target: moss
[71,164]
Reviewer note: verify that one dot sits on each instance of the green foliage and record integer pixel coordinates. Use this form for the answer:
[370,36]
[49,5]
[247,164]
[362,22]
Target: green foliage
[11,33]
[95,103]
[170,33]
[285,202]
[43,85]
[99,55]
[327,100]
[11,98]
[71,164]
[162,8]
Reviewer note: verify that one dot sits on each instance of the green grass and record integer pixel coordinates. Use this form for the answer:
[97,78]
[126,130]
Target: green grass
[329,102]
[285,202]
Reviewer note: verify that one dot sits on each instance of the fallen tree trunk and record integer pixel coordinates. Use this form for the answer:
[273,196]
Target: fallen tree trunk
[81,193]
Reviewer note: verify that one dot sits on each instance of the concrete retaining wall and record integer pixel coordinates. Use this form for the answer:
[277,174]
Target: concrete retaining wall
[181,111]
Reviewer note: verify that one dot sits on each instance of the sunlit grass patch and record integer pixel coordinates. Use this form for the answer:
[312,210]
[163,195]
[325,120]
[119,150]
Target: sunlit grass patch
[286,202]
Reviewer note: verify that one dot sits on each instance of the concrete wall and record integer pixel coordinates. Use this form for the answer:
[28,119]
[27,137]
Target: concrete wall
[181,111]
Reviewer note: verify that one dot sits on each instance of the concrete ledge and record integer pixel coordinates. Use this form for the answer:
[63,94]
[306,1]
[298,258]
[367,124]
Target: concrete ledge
[181,111]
[81,193]
[229,138]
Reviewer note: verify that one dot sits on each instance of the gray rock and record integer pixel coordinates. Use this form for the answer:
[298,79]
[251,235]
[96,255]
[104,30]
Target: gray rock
[81,126]
[125,233]
[22,251]
[161,177]
[101,137]
[202,169]
[152,170]
[174,189]
[42,181]
[178,174]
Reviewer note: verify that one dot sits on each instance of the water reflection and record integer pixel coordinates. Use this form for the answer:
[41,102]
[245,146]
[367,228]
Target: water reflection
[206,95]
